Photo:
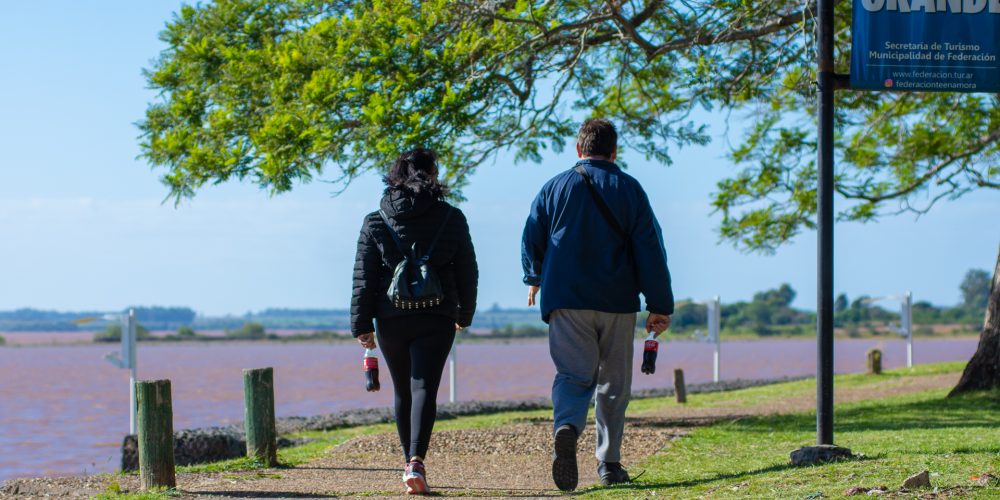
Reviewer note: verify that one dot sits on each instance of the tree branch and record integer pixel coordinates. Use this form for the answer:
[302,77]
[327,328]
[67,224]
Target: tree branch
[735,35]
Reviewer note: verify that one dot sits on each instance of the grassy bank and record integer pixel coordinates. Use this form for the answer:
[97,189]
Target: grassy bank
[743,451]
[956,439]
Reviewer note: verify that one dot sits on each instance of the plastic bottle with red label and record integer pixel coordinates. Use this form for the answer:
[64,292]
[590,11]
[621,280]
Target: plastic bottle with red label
[371,371]
[649,354]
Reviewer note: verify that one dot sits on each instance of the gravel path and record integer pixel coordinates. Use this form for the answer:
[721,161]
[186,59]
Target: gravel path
[512,461]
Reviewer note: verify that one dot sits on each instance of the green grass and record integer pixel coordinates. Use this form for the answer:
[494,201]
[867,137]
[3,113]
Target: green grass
[953,438]
[297,455]
[114,492]
[806,387]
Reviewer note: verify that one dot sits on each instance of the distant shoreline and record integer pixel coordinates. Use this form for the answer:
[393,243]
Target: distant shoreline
[77,338]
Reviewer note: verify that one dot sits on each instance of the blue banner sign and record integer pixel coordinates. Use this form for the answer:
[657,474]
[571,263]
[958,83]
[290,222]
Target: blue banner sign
[926,45]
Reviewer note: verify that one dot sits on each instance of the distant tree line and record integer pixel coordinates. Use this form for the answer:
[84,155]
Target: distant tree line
[248,331]
[770,312]
[28,320]
[167,317]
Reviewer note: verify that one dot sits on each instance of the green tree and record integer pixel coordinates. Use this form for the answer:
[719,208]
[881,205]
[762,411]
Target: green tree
[3,341]
[283,91]
[186,332]
[975,289]
[113,333]
[280,91]
[689,314]
[840,304]
[249,331]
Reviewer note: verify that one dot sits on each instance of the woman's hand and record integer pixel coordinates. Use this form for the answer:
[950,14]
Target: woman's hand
[458,328]
[367,340]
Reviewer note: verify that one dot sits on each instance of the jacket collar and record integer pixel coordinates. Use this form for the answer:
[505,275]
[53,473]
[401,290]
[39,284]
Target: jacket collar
[602,164]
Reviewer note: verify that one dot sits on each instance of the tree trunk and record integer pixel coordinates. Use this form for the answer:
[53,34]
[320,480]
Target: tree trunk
[983,370]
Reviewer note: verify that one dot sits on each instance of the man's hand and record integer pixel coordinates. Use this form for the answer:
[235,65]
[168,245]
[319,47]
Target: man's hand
[657,323]
[367,340]
[532,292]
[458,328]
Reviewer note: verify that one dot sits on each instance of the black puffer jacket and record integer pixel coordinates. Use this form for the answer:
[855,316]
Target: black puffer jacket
[416,218]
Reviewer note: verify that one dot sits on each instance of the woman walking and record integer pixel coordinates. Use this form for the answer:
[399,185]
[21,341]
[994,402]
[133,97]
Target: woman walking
[414,326]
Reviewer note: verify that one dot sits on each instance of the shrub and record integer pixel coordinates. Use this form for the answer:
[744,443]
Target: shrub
[113,333]
[186,332]
[510,331]
[249,331]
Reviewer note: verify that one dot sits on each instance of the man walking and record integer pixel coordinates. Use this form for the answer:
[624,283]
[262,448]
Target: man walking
[591,245]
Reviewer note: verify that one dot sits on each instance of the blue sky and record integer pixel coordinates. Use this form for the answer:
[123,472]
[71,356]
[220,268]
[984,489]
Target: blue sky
[83,226]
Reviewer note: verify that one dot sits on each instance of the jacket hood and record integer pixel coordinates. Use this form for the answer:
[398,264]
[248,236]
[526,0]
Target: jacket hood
[404,204]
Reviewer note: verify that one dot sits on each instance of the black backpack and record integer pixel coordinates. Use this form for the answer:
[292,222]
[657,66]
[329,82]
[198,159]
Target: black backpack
[415,283]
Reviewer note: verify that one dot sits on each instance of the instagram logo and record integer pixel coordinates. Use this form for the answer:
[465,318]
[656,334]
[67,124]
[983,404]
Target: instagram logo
[888,82]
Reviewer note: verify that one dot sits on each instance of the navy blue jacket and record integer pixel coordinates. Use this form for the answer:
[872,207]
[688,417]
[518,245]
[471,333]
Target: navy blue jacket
[569,249]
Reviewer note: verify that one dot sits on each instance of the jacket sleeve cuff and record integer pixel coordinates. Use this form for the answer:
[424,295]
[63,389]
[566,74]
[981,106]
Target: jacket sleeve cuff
[665,311]
[532,280]
[464,321]
[362,328]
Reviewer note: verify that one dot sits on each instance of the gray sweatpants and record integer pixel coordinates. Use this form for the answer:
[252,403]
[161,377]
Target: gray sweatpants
[592,350]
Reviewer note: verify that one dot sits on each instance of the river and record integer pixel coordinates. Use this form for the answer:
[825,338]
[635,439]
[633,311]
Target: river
[64,410]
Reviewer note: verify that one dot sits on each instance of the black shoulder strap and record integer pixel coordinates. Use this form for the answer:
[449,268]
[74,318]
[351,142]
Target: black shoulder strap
[399,244]
[437,236]
[392,232]
[605,209]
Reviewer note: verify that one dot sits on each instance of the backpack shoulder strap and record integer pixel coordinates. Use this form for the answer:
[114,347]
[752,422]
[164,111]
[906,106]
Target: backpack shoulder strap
[399,243]
[447,216]
[601,204]
[392,232]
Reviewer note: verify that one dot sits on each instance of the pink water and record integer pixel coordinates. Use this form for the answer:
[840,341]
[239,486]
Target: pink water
[64,410]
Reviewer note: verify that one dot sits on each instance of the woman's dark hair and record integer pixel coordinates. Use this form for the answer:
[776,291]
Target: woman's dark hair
[416,170]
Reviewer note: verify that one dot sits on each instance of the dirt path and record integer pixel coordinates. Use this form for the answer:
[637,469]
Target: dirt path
[512,461]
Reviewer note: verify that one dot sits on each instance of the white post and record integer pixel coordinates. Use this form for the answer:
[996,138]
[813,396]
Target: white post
[906,318]
[130,333]
[451,375]
[715,330]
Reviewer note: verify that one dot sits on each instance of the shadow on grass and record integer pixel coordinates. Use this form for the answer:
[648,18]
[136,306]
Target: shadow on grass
[679,422]
[264,494]
[966,411]
[739,475]
[356,469]
[695,482]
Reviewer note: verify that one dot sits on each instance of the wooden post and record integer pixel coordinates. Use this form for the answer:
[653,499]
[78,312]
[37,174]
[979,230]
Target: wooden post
[156,434]
[679,389]
[258,398]
[874,361]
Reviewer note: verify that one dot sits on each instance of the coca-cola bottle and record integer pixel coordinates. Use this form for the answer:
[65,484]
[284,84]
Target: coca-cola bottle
[371,371]
[649,354]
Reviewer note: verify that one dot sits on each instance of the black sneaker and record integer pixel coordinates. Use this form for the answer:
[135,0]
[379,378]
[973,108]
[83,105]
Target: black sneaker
[564,471]
[612,473]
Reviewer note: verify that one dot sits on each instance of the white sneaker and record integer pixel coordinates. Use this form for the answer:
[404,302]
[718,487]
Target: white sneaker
[415,478]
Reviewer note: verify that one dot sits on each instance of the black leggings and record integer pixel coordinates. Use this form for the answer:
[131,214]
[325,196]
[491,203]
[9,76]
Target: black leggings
[415,349]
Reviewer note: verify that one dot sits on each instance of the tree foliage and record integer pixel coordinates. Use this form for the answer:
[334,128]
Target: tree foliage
[284,91]
[113,333]
[975,289]
[249,331]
